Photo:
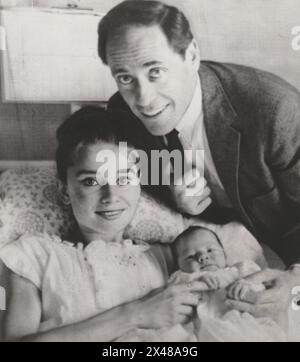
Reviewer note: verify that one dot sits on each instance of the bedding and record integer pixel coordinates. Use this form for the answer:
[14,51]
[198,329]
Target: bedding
[30,203]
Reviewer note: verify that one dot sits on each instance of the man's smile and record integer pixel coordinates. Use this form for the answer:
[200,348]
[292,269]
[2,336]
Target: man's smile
[154,113]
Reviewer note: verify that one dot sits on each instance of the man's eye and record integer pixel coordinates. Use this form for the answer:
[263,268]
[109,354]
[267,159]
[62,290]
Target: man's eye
[156,73]
[209,250]
[89,182]
[125,79]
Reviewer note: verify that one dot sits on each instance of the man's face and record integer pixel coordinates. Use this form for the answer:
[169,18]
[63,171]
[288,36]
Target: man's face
[156,82]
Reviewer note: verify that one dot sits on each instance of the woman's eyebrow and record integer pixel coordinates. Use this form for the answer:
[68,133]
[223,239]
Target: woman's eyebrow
[85,172]
[126,171]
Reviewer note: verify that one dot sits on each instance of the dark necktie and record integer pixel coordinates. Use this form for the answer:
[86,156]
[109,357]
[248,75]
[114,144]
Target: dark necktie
[175,144]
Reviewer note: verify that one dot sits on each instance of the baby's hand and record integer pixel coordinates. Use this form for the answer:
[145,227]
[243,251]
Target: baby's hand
[180,277]
[212,281]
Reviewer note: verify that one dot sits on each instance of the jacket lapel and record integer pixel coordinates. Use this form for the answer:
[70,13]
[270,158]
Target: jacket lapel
[223,138]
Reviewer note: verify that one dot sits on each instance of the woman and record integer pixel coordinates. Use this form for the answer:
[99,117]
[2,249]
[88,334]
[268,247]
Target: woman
[95,286]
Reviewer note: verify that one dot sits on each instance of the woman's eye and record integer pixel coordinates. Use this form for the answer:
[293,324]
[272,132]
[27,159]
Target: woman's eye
[209,250]
[125,79]
[123,180]
[131,177]
[89,182]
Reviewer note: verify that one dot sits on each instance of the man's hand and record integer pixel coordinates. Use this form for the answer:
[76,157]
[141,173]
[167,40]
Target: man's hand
[191,193]
[274,301]
[244,291]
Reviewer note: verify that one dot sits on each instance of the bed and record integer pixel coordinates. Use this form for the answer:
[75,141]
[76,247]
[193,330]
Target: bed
[30,203]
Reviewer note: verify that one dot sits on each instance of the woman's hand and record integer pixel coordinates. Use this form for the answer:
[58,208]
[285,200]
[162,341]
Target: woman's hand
[169,306]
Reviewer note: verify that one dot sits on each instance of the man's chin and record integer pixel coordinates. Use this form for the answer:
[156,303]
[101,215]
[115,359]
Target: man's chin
[158,126]
[155,128]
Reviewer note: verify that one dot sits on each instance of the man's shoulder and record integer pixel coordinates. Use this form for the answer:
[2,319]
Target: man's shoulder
[237,77]
[223,69]
[252,93]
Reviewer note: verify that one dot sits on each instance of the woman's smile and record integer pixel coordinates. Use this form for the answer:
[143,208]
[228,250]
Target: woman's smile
[110,214]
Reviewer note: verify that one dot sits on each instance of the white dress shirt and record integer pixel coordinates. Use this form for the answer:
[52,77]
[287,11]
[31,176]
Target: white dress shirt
[192,135]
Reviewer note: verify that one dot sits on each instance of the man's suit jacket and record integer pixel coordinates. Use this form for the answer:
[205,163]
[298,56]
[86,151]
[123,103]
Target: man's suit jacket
[252,121]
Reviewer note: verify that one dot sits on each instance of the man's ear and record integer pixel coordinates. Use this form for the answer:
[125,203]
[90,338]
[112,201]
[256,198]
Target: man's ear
[63,192]
[192,54]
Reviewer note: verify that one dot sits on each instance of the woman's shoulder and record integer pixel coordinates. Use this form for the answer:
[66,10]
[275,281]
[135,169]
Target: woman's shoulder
[39,238]
[28,256]
[33,243]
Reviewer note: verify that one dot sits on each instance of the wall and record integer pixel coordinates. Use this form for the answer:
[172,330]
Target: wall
[251,32]
[27,131]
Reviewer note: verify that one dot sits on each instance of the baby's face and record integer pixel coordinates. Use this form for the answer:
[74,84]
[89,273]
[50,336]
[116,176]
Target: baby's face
[200,251]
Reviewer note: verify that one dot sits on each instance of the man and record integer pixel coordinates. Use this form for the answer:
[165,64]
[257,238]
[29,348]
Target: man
[247,122]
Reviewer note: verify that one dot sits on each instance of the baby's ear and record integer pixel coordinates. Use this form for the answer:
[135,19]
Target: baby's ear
[63,192]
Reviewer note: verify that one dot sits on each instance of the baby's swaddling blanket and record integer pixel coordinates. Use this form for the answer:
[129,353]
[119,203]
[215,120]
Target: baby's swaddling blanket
[214,323]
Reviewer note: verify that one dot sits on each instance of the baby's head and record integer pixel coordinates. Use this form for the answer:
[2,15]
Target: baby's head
[199,249]
[102,208]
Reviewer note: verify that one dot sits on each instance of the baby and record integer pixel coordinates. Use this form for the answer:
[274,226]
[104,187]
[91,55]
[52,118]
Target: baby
[199,250]
[201,255]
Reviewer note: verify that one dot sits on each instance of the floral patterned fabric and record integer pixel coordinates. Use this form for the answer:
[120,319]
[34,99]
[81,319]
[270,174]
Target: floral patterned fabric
[30,203]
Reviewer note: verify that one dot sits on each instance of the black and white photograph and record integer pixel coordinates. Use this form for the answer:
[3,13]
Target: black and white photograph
[150,172]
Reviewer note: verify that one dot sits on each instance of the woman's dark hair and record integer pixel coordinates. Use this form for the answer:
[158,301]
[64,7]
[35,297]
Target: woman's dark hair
[173,23]
[89,125]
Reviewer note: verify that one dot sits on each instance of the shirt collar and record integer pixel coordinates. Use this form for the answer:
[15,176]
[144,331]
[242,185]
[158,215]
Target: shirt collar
[193,111]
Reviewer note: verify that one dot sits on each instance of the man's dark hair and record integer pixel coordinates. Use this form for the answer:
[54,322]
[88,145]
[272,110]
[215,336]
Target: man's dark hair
[89,125]
[172,21]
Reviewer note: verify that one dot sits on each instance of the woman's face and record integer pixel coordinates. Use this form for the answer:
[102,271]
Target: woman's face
[102,207]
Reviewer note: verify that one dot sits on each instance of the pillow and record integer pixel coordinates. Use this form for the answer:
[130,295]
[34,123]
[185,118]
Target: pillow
[30,203]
